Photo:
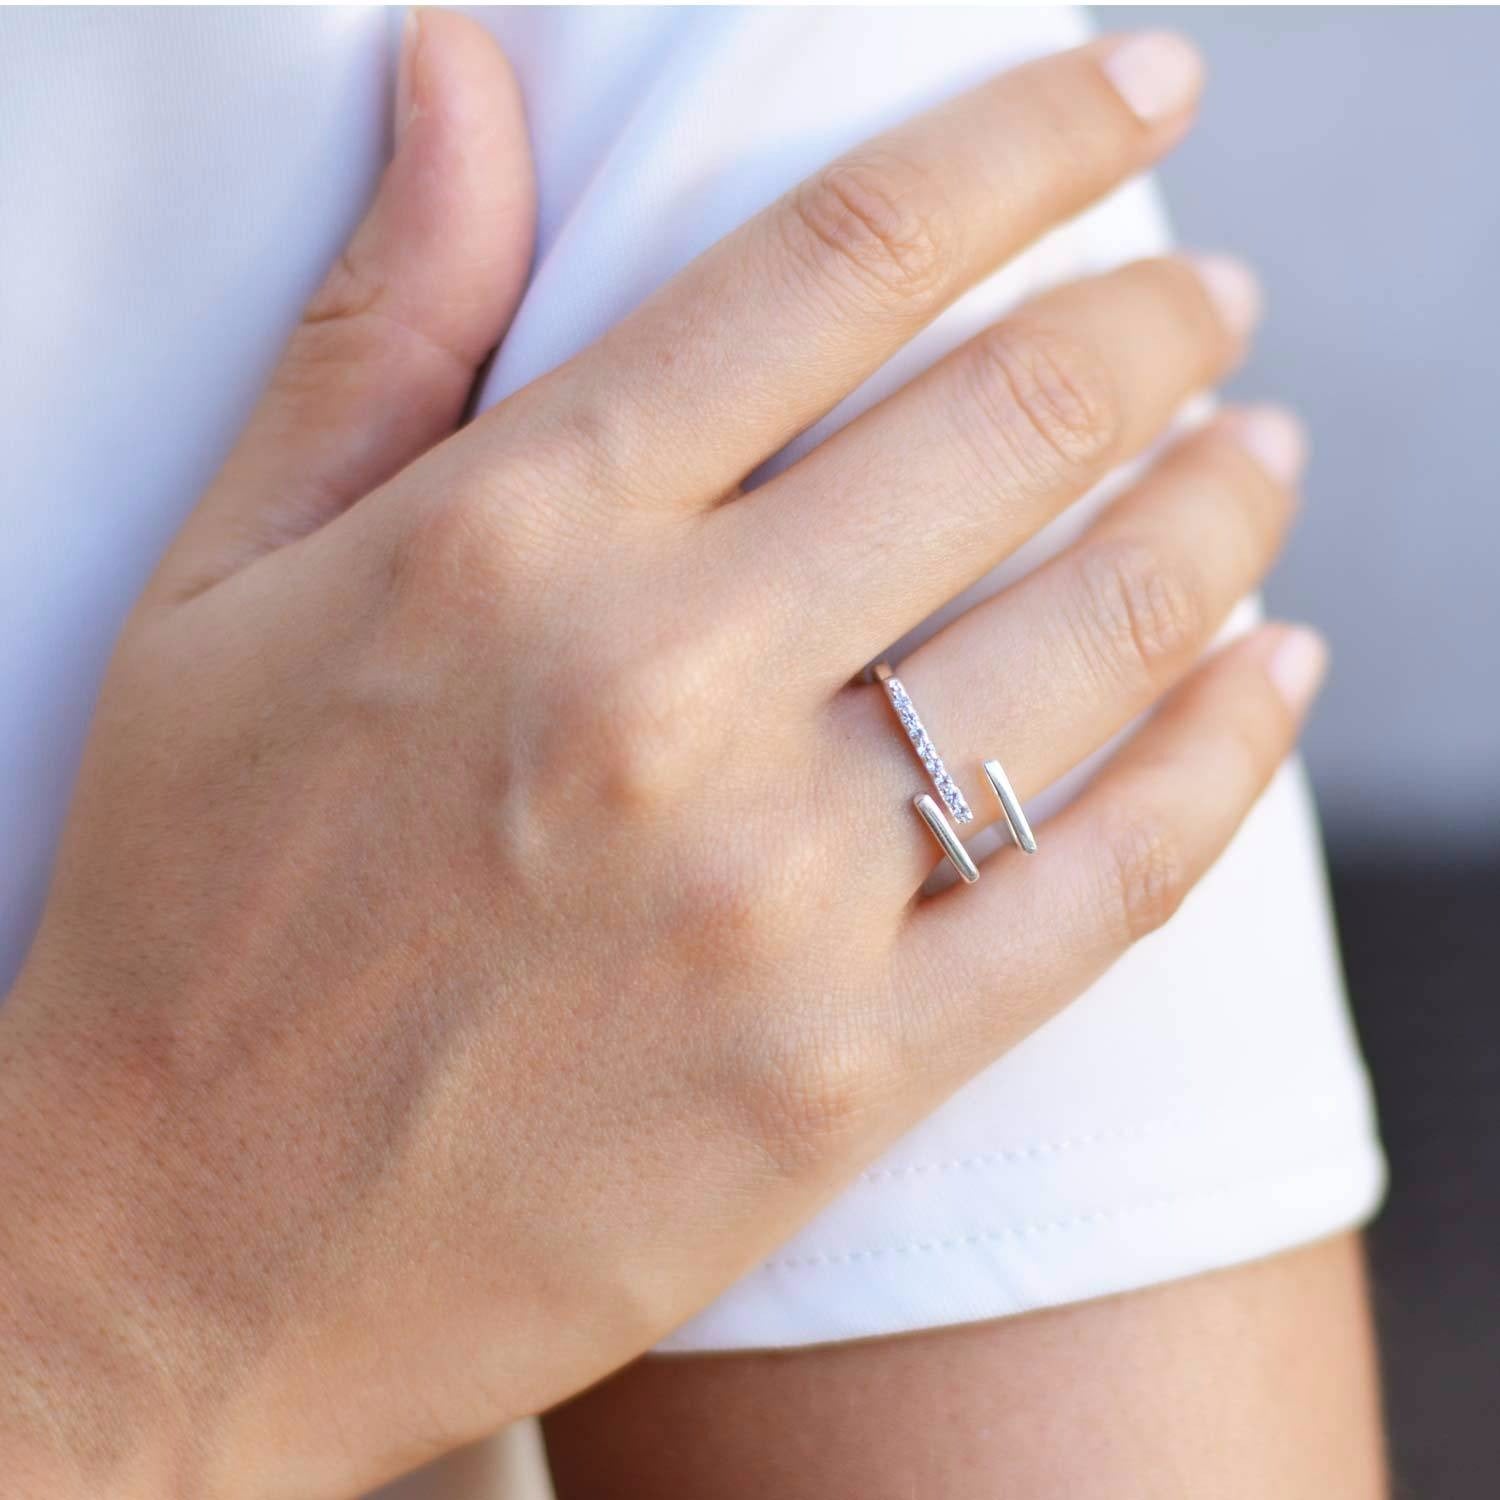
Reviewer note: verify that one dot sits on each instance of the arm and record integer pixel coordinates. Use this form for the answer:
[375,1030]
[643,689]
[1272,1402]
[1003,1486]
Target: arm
[1247,1383]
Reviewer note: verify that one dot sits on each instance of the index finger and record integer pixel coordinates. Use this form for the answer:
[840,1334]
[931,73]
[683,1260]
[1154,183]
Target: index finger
[771,327]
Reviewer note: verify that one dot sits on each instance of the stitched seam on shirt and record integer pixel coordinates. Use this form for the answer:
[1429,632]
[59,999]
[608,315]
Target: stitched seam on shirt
[1007,1156]
[1037,1227]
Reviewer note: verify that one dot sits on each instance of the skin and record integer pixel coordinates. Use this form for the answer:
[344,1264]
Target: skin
[1249,1382]
[403,945]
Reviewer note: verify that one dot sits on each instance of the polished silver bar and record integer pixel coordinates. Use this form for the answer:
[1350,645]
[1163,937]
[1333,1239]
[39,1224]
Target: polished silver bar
[1010,805]
[948,841]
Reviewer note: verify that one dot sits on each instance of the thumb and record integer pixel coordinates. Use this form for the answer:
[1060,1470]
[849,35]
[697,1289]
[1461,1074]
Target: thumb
[383,361]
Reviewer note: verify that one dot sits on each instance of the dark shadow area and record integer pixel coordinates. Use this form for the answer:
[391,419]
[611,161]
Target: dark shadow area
[1422,950]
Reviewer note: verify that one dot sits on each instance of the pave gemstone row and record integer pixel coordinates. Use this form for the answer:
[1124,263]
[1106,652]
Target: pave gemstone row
[921,742]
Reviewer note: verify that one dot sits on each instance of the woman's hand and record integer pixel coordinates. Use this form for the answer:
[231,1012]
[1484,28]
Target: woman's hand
[488,920]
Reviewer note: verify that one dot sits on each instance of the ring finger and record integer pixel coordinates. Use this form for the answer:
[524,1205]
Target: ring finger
[1045,673]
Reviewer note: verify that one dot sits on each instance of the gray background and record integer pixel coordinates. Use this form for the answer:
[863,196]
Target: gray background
[1351,155]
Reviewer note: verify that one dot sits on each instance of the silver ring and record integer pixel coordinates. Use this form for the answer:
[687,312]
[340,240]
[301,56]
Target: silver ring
[1010,805]
[927,808]
[921,742]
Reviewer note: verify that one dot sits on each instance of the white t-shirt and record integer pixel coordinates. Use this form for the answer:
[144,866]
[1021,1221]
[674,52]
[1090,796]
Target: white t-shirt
[174,184]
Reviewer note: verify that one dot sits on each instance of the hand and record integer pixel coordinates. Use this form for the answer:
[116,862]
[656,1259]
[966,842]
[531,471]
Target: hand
[488,920]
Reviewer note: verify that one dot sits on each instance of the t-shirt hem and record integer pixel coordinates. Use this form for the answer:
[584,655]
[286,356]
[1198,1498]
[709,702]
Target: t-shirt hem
[870,1291]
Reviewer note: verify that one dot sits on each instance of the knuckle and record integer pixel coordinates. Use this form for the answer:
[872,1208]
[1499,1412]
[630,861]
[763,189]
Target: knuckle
[876,222]
[451,557]
[340,325]
[574,448]
[355,317]
[350,289]
[1148,875]
[816,1082]
[1137,617]
[638,759]
[1048,401]
[636,732]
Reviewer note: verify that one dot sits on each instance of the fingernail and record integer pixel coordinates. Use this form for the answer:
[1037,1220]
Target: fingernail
[1297,666]
[1158,74]
[411,39]
[1273,437]
[1234,288]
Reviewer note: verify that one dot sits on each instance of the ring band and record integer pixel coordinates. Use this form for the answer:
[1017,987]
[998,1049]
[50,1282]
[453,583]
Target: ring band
[1010,805]
[921,742]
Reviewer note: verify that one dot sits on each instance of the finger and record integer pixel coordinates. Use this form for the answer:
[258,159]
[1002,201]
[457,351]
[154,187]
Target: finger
[1047,672]
[772,326]
[382,363]
[1114,865]
[904,508]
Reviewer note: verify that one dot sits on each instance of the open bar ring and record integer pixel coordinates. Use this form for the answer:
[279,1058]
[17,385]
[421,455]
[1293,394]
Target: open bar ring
[1010,805]
[927,808]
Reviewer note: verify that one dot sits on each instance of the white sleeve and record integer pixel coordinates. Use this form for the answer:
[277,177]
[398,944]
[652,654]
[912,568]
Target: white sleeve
[1205,1103]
